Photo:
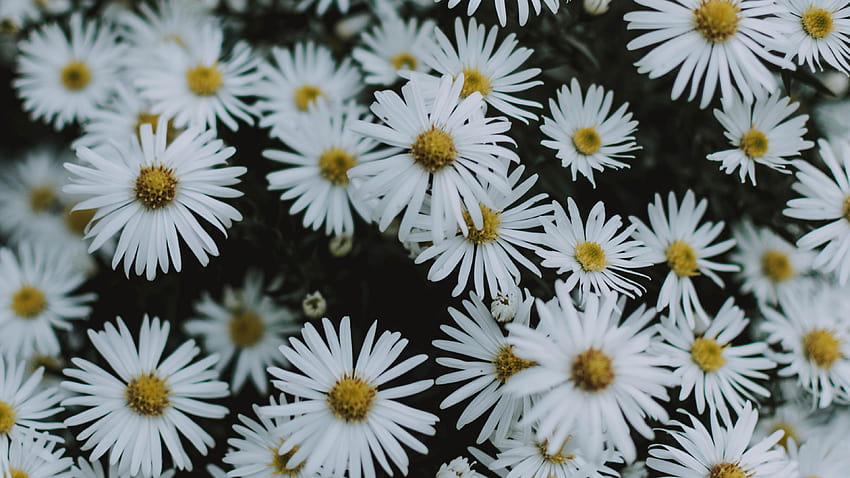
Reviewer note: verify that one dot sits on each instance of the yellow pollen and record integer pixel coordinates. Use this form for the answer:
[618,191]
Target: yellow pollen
[156,186]
[28,302]
[148,395]
[41,198]
[682,259]
[152,119]
[404,61]
[307,94]
[592,370]
[558,458]
[246,328]
[590,256]
[846,208]
[50,364]
[727,470]
[334,164]
[7,417]
[474,80]
[351,398]
[817,22]
[75,76]
[754,143]
[9,27]
[279,463]
[507,363]
[789,433]
[16,473]
[204,80]
[434,149]
[822,347]
[716,20]
[489,230]
[776,265]
[76,221]
[707,354]
[587,140]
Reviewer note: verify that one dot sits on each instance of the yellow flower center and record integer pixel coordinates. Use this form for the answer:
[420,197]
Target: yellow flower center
[507,363]
[75,76]
[204,80]
[754,143]
[156,186]
[279,463]
[16,473]
[587,140]
[558,458]
[28,302]
[707,354]
[817,22]
[9,27]
[351,398]
[590,256]
[592,370]
[148,395]
[789,433]
[846,208]
[404,61]
[41,198]
[727,470]
[489,230]
[7,418]
[474,80]
[246,328]
[76,221]
[822,347]
[334,164]
[716,20]
[153,120]
[682,259]
[433,149]
[305,95]
[776,265]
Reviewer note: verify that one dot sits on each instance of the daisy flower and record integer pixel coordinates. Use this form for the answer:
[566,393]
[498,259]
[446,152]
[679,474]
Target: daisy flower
[796,420]
[596,255]
[583,133]
[16,14]
[150,194]
[150,25]
[458,468]
[761,133]
[823,456]
[501,10]
[297,79]
[709,367]
[84,469]
[677,239]
[394,45]
[31,193]
[489,253]
[491,73]
[815,30]
[825,198]
[713,41]
[724,451]
[34,455]
[344,418]
[133,413]
[64,78]
[490,364]
[448,145]
[323,150]
[248,325]
[612,381]
[26,405]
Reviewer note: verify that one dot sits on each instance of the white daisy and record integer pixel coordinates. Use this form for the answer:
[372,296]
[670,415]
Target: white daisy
[31,193]
[490,253]
[458,468]
[84,469]
[491,73]
[677,239]
[709,367]
[584,135]
[724,451]
[394,45]
[449,148]
[26,405]
[815,30]
[34,455]
[343,418]
[153,192]
[501,10]
[825,198]
[823,456]
[148,26]
[761,133]
[713,41]
[144,405]
[492,365]
[17,14]
[323,150]
[63,78]
[247,324]
[596,255]
[796,420]
[594,373]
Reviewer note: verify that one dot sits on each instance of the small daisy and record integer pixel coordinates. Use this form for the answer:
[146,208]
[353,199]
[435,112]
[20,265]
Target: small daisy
[17,14]
[724,451]
[247,324]
[490,253]
[324,149]
[31,193]
[458,468]
[150,25]
[491,73]
[145,404]
[825,198]
[594,373]
[595,254]
[152,192]
[817,29]
[761,133]
[709,367]
[501,10]
[26,405]
[677,239]
[394,45]
[448,145]
[714,41]
[493,363]
[584,135]
[796,420]
[823,456]
[34,455]
[84,469]
[343,418]
[64,78]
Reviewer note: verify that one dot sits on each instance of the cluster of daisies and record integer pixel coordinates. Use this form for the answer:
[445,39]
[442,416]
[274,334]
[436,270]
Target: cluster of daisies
[610,364]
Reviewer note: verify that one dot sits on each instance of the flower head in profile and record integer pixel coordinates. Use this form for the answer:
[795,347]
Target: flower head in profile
[393,46]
